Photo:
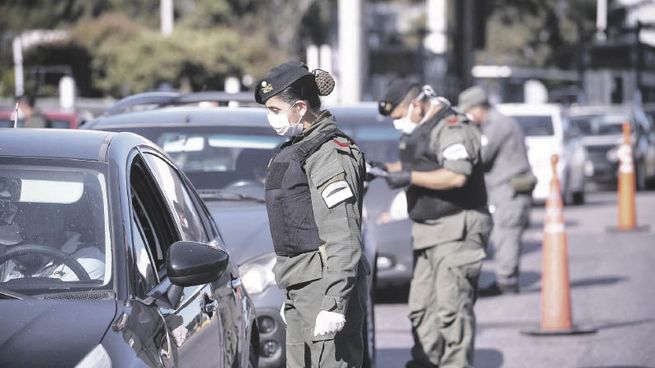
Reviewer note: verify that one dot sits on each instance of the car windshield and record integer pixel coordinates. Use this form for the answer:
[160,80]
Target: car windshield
[535,125]
[54,228]
[219,157]
[600,124]
[375,136]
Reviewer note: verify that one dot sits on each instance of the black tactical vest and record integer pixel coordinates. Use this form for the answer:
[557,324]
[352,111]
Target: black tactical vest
[288,198]
[427,204]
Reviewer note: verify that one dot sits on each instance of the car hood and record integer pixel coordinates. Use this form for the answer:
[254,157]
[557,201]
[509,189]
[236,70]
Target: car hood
[51,333]
[244,227]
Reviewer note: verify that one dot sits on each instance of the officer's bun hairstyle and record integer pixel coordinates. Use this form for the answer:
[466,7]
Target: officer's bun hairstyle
[324,82]
[309,88]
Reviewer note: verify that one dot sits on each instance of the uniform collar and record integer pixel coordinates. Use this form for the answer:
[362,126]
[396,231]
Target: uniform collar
[324,121]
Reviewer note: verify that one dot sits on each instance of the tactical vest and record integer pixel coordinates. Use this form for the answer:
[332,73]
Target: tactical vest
[427,204]
[288,198]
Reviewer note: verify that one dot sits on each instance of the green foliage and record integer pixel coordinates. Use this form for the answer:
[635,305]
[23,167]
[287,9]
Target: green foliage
[537,33]
[129,58]
[121,50]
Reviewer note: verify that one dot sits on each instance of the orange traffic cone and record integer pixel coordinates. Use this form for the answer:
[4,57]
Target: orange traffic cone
[555,291]
[626,188]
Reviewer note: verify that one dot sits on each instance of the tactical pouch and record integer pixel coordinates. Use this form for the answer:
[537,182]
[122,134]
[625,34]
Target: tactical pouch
[524,183]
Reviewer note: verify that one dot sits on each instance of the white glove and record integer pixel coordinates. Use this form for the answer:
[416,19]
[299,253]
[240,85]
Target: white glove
[329,323]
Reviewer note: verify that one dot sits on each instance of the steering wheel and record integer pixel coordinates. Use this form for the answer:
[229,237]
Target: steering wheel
[53,253]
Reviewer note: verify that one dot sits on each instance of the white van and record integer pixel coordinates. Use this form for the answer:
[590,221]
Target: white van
[547,132]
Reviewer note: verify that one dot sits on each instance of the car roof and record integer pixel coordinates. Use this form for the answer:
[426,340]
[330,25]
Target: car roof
[367,111]
[600,109]
[186,116]
[530,109]
[58,143]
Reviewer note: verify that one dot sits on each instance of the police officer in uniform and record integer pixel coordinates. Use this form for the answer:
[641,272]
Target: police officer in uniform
[509,184]
[447,202]
[314,189]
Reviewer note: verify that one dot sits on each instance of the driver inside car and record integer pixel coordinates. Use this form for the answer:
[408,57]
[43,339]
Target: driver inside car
[39,226]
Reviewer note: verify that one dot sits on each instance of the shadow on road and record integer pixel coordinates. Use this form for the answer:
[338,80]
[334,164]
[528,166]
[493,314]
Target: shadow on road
[584,283]
[620,324]
[488,358]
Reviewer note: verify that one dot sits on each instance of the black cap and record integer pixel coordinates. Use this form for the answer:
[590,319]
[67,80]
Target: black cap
[279,78]
[396,93]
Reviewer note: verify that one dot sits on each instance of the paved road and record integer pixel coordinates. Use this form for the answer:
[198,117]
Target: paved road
[612,285]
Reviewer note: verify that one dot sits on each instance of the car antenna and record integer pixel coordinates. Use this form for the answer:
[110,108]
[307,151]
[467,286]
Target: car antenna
[16,117]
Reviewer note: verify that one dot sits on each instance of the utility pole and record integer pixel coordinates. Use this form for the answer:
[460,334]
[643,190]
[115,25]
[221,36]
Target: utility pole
[351,50]
[19,78]
[166,16]
[436,41]
[601,20]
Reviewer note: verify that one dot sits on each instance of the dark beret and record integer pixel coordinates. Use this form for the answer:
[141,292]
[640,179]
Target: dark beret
[395,94]
[279,78]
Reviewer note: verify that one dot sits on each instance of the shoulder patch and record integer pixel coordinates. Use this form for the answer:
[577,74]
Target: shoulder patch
[335,193]
[455,151]
[340,144]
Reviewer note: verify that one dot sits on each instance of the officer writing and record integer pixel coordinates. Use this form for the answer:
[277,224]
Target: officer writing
[441,168]
[314,189]
[509,183]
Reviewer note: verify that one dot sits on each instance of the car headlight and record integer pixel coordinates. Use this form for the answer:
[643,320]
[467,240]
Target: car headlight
[96,358]
[612,155]
[397,210]
[257,274]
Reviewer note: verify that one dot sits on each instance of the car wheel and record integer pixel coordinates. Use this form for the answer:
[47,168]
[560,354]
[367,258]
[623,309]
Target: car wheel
[368,331]
[578,198]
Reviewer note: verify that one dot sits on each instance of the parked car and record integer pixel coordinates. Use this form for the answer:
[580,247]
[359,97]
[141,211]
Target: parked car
[389,223]
[52,119]
[602,130]
[225,153]
[108,257]
[547,131]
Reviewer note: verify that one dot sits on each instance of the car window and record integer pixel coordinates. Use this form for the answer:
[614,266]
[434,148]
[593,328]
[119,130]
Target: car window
[217,157]
[146,277]
[152,214]
[379,143]
[59,207]
[535,125]
[58,124]
[178,199]
[600,124]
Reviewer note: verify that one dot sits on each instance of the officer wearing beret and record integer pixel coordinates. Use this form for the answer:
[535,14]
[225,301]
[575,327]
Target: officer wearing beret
[314,190]
[509,183]
[447,202]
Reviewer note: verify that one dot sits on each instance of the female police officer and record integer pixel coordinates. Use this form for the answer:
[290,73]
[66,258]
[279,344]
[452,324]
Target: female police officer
[314,201]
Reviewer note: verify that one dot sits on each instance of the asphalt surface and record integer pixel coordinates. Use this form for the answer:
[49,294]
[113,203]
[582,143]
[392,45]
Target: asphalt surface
[612,278]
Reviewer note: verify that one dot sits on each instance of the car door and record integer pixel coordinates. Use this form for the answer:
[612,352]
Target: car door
[193,331]
[220,299]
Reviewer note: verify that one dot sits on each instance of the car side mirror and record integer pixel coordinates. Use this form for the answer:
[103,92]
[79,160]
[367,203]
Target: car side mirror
[192,263]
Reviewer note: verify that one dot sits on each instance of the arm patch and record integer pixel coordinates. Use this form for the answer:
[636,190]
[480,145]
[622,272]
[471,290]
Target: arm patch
[455,151]
[335,193]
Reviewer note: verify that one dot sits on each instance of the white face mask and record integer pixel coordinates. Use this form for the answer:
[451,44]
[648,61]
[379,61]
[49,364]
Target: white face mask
[280,123]
[404,124]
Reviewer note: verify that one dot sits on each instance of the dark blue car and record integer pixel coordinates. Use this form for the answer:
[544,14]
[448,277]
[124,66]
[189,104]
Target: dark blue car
[108,257]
